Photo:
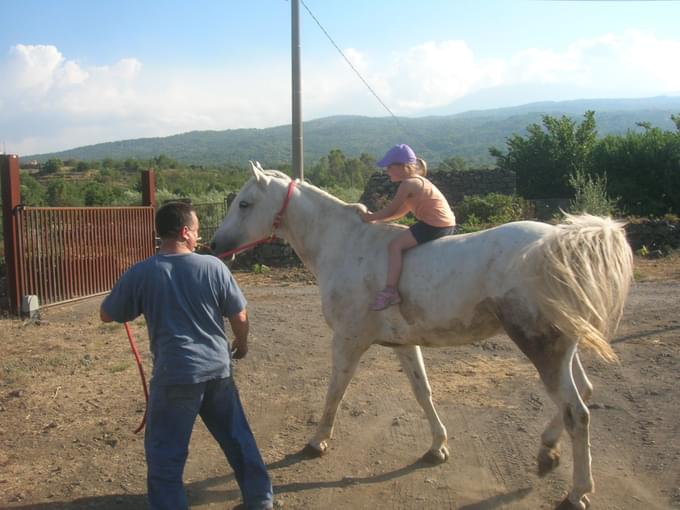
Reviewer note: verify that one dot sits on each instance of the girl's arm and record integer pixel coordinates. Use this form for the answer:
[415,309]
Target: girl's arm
[396,208]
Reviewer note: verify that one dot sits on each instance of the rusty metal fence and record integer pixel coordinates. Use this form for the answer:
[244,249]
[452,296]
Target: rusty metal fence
[210,216]
[67,253]
[64,253]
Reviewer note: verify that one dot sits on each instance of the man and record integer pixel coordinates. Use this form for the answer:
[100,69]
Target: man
[184,297]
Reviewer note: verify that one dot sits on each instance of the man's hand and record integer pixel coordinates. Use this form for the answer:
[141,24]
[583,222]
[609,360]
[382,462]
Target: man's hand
[239,348]
[240,326]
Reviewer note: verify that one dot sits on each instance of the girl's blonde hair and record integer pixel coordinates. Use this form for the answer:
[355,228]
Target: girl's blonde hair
[417,168]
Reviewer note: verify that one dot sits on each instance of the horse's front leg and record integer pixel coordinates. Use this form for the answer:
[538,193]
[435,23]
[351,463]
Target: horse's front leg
[411,360]
[346,355]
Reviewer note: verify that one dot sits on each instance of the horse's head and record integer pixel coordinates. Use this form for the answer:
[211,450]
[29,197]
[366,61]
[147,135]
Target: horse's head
[251,214]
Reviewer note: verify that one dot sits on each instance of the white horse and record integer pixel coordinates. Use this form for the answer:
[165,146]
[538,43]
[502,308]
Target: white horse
[550,288]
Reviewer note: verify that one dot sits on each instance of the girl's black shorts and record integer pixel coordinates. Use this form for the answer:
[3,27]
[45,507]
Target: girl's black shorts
[424,232]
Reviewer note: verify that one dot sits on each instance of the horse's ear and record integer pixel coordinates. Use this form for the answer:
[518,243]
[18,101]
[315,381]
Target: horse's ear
[258,172]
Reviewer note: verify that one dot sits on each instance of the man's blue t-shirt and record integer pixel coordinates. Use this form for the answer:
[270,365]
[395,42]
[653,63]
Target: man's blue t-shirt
[184,298]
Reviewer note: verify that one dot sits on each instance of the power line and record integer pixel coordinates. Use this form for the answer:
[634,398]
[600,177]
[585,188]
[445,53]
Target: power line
[349,62]
[365,82]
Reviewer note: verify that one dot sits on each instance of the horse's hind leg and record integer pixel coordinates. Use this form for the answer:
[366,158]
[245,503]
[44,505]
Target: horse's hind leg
[411,360]
[346,355]
[576,418]
[549,452]
[564,378]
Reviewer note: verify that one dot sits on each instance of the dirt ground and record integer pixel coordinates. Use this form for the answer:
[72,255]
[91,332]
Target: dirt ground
[70,398]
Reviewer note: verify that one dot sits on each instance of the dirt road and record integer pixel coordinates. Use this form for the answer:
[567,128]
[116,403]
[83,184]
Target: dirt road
[70,399]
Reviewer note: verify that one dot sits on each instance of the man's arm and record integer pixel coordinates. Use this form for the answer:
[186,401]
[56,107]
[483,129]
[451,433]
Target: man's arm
[397,207]
[239,326]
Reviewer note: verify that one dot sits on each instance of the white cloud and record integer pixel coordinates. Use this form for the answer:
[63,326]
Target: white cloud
[30,69]
[49,102]
[435,74]
[71,74]
[631,63]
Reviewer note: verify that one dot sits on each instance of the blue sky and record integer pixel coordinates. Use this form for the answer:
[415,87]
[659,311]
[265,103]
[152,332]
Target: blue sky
[78,72]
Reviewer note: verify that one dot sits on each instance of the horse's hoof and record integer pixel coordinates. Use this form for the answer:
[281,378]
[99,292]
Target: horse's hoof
[438,457]
[548,459]
[566,504]
[312,452]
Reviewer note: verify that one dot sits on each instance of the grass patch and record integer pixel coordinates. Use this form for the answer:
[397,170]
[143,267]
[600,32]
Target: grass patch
[118,367]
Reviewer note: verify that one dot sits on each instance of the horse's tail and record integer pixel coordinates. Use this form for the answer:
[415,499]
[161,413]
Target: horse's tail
[583,272]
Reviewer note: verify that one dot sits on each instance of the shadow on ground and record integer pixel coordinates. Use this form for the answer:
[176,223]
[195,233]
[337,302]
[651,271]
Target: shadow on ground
[205,492]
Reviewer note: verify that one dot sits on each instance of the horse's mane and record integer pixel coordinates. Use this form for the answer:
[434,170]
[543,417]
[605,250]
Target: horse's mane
[350,207]
[307,185]
[276,173]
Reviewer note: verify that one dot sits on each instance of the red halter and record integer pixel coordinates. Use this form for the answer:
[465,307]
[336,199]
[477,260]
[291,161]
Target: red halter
[277,222]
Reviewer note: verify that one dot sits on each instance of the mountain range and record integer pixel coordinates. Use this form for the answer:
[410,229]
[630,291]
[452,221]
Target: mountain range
[467,135]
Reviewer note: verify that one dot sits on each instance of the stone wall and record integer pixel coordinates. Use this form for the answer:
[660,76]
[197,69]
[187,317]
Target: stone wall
[378,191]
[659,237]
[275,254]
[454,185]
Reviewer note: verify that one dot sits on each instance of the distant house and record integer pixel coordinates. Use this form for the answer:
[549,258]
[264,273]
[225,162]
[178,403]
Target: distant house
[30,167]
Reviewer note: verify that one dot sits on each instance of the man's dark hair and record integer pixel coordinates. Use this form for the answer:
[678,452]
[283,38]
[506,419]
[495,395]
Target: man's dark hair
[171,217]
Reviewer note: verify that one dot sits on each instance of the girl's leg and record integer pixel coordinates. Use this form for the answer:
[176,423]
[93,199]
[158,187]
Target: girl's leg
[389,295]
[395,250]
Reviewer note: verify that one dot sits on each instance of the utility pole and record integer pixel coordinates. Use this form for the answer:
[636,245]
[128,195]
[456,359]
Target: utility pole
[298,163]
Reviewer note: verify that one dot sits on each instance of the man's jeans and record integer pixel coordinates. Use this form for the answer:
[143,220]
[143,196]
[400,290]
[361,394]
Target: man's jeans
[172,413]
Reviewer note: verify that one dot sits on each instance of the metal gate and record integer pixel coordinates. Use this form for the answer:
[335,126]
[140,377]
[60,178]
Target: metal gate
[67,253]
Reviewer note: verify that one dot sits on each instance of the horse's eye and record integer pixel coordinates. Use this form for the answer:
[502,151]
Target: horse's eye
[243,204]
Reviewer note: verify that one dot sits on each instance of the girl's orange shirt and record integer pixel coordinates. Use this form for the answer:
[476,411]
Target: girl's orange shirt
[430,206]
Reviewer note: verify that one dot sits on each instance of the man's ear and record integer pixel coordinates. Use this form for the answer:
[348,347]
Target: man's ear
[184,237]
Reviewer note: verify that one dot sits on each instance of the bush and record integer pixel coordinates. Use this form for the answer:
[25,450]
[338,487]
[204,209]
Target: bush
[591,195]
[477,212]
[349,195]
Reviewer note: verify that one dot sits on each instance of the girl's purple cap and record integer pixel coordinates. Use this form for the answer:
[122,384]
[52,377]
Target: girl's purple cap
[400,154]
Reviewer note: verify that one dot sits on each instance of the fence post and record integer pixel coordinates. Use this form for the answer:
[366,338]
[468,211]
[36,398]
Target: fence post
[11,196]
[148,188]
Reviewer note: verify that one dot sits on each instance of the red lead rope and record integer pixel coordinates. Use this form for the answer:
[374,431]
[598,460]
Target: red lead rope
[135,351]
[277,222]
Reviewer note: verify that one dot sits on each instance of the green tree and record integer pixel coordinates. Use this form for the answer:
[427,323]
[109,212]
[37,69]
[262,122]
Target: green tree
[61,193]
[336,167]
[98,194]
[319,174]
[32,192]
[455,164]
[52,166]
[643,169]
[544,160]
[337,170]
[131,165]
[163,161]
